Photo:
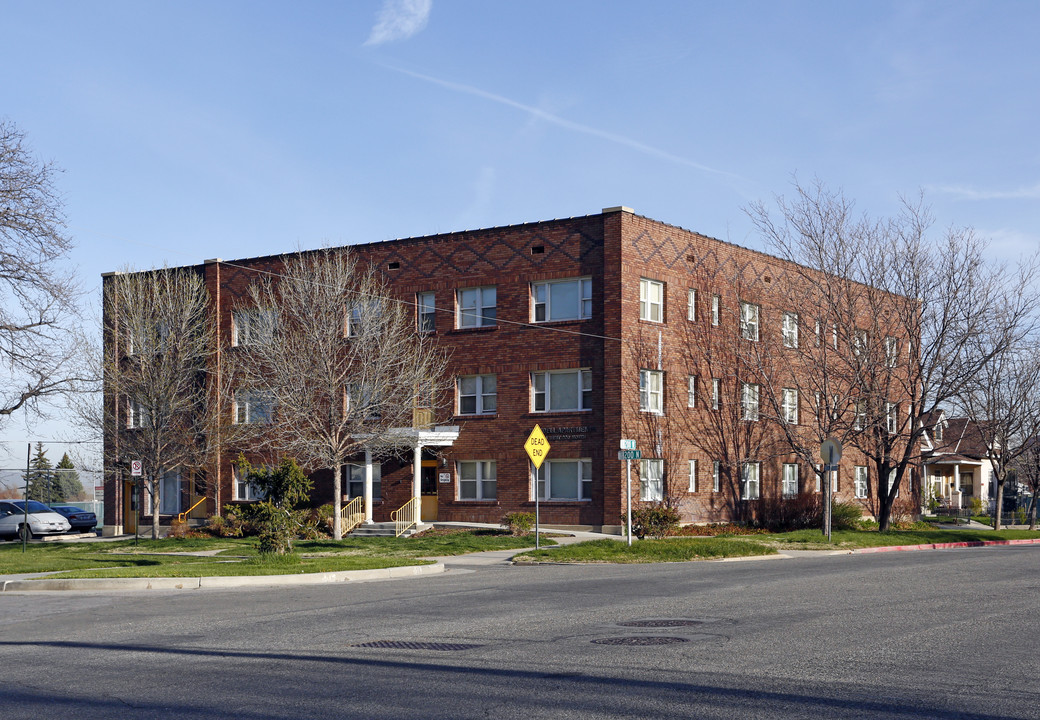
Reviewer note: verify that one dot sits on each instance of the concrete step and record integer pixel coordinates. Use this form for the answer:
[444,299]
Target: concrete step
[382,529]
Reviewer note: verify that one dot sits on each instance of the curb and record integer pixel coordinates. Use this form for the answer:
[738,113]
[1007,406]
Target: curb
[230,581]
[946,546]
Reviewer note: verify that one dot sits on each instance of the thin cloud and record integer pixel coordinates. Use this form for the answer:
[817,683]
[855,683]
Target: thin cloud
[567,124]
[967,193]
[399,20]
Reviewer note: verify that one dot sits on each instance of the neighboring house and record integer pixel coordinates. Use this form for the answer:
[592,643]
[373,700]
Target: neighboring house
[956,462]
[540,320]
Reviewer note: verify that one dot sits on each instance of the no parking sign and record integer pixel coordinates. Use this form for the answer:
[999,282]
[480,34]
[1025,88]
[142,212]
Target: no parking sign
[135,468]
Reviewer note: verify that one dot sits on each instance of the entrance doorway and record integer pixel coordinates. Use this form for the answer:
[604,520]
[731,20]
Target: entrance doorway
[130,505]
[428,491]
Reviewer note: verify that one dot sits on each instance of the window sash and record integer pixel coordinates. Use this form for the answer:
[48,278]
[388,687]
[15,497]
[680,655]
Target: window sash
[137,415]
[789,405]
[749,480]
[477,479]
[564,479]
[555,300]
[478,394]
[355,477]
[749,401]
[715,303]
[651,480]
[252,407]
[691,391]
[651,391]
[716,392]
[651,300]
[561,390]
[790,479]
[749,313]
[892,418]
[860,472]
[790,330]
[691,305]
[716,476]
[477,307]
[692,487]
[426,312]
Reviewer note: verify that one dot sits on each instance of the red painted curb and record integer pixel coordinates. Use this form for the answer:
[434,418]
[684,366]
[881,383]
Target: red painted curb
[946,546]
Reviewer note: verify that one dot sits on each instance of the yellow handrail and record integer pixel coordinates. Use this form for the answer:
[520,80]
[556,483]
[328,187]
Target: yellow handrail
[184,515]
[406,516]
[353,514]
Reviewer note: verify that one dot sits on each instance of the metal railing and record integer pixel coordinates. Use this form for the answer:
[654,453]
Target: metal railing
[183,517]
[406,516]
[353,514]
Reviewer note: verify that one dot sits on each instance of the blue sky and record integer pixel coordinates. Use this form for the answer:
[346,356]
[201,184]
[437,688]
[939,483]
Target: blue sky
[193,130]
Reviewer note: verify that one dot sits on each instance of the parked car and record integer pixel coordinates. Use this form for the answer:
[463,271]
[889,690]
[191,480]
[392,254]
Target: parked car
[41,520]
[81,520]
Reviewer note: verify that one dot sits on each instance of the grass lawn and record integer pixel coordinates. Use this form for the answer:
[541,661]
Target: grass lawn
[648,551]
[854,539]
[238,556]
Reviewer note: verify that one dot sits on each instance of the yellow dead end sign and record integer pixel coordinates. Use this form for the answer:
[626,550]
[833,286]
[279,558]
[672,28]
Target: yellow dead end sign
[537,446]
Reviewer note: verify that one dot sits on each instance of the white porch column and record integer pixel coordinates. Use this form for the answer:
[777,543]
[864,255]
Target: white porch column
[417,472]
[368,486]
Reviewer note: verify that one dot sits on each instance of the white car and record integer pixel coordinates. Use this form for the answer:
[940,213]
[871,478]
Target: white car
[41,520]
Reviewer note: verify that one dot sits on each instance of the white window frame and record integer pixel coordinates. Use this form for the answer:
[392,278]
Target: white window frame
[789,405]
[546,378]
[789,480]
[249,407]
[244,490]
[651,300]
[170,500]
[750,480]
[691,391]
[716,302]
[859,422]
[355,475]
[137,415]
[790,330]
[716,475]
[651,480]
[543,309]
[716,392]
[426,312]
[484,394]
[247,325]
[859,342]
[819,333]
[691,304]
[651,391]
[692,487]
[862,480]
[749,405]
[481,312]
[484,479]
[892,417]
[544,483]
[891,351]
[750,316]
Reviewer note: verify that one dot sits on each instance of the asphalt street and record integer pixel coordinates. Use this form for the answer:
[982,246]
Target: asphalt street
[936,634]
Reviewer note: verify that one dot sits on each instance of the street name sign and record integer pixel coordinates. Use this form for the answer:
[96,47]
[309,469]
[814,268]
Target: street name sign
[537,446]
[628,444]
[629,454]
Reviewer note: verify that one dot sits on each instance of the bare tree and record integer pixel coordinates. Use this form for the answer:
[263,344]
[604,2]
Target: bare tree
[38,297]
[1027,472]
[159,339]
[904,308]
[338,359]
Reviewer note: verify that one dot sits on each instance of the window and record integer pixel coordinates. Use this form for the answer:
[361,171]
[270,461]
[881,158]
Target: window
[860,421]
[691,391]
[561,390]
[892,481]
[562,300]
[749,474]
[891,351]
[244,489]
[892,418]
[790,329]
[716,473]
[170,493]
[938,432]
[790,479]
[478,395]
[692,487]
[789,405]
[651,480]
[859,342]
[425,312]
[691,305]
[819,468]
[861,480]
[834,336]
[477,480]
[651,300]
[819,334]
[477,307]
[716,391]
[749,321]
[715,302]
[651,391]
[565,480]
[356,480]
[749,401]
[363,400]
[137,415]
[252,406]
[252,327]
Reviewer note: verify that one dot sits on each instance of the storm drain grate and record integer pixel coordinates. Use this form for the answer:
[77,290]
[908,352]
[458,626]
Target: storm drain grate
[640,640]
[410,645]
[660,623]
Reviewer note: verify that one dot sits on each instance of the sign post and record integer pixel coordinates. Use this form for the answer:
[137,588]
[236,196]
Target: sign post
[628,453]
[135,471]
[537,448]
[830,453]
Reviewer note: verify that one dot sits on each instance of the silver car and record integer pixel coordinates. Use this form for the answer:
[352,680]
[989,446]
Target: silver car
[41,520]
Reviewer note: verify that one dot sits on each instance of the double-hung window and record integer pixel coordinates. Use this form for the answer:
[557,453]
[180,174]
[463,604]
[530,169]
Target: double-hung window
[477,480]
[749,313]
[651,300]
[561,390]
[790,330]
[790,479]
[891,351]
[749,475]
[892,418]
[716,301]
[478,394]
[651,480]
[691,305]
[716,392]
[692,487]
[562,300]
[716,476]
[749,401]
[860,421]
[651,391]
[425,312]
[859,342]
[252,407]
[691,391]
[477,307]
[564,480]
[244,489]
[356,480]
[861,480]
[137,415]
[252,327]
[789,405]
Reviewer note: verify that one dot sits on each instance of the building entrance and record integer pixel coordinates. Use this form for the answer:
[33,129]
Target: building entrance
[428,491]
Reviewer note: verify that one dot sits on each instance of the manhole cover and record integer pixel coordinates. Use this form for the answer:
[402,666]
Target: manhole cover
[409,645]
[660,623]
[640,640]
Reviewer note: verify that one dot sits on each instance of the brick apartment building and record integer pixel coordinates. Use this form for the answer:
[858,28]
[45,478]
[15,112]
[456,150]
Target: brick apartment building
[591,327]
